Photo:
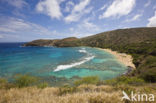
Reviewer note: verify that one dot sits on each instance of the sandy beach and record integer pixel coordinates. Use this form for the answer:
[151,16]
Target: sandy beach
[122,57]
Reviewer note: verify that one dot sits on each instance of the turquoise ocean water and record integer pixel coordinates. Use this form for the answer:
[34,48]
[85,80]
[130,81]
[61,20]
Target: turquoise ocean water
[54,64]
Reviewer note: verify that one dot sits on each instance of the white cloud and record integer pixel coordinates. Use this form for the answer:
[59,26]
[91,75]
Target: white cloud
[148,3]
[50,8]
[69,6]
[76,16]
[78,11]
[1,36]
[71,29]
[134,18]
[103,7]
[88,26]
[154,7]
[16,3]
[118,8]
[152,21]
[81,6]
[84,28]
[14,27]
[4,29]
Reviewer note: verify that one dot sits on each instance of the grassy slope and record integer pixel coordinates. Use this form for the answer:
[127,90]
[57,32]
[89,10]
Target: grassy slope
[82,94]
[87,90]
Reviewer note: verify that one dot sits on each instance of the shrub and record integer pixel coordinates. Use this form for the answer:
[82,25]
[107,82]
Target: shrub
[130,80]
[3,83]
[125,80]
[43,85]
[111,82]
[87,80]
[25,80]
[149,75]
[66,89]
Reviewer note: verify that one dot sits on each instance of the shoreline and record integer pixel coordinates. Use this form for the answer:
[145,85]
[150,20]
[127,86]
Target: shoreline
[123,58]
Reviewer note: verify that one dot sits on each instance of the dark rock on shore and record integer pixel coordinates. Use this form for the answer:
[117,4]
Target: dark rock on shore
[130,69]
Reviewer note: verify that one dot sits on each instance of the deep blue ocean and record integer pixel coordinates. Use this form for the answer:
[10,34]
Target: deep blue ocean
[58,64]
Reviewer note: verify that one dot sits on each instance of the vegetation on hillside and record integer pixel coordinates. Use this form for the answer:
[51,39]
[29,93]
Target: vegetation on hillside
[144,58]
[21,81]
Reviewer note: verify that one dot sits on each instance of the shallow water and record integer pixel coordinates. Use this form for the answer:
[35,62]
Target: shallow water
[58,62]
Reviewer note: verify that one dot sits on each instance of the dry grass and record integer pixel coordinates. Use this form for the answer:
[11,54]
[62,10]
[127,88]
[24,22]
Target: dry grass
[84,94]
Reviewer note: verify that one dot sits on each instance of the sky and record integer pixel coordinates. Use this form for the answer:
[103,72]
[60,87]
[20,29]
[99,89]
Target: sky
[27,20]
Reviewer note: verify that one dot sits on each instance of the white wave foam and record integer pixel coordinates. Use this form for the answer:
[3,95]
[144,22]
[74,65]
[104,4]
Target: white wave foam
[63,67]
[82,51]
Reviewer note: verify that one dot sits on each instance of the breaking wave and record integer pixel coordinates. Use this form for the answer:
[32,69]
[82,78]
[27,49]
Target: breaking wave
[67,66]
[83,50]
